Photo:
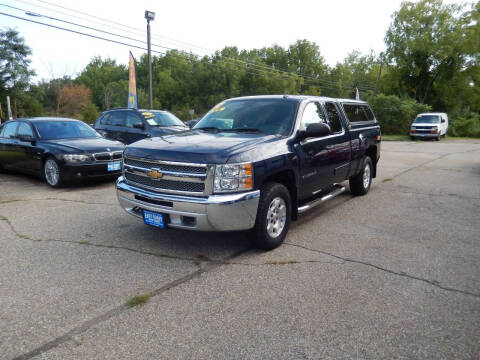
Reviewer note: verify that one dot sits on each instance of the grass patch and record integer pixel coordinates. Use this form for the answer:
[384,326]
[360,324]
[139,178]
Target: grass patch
[407,138]
[395,137]
[137,300]
[84,242]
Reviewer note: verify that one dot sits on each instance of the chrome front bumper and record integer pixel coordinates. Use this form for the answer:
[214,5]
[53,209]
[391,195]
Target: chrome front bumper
[213,213]
[424,135]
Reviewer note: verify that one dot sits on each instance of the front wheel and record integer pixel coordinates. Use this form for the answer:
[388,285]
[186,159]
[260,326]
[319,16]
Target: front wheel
[52,172]
[360,183]
[273,216]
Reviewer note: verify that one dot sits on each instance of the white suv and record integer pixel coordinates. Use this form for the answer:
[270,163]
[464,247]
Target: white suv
[429,125]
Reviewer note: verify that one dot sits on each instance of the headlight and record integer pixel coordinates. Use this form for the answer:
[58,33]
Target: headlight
[233,177]
[413,127]
[74,158]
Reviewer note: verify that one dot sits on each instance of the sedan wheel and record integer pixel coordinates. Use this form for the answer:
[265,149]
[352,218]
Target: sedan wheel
[52,172]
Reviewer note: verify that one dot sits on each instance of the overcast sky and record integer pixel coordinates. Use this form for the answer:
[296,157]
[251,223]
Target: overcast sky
[338,27]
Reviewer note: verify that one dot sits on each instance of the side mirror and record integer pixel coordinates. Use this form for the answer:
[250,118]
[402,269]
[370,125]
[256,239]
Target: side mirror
[443,121]
[315,130]
[26,138]
[140,126]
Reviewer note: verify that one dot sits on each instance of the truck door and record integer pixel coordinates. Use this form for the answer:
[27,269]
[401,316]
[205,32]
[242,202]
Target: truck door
[338,144]
[314,154]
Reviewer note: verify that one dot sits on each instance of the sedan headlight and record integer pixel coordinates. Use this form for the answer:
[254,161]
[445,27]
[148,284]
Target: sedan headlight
[76,158]
[233,177]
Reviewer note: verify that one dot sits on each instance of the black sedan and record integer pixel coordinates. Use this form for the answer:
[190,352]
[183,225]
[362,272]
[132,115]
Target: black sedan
[58,149]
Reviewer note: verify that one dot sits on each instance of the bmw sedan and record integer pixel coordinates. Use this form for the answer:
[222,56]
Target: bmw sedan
[58,150]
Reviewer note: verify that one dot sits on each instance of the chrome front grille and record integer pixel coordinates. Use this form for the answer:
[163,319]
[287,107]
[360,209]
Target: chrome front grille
[183,186]
[107,156]
[166,167]
[169,177]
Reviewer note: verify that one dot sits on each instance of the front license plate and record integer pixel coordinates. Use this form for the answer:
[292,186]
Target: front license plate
[114,166]
[153,219]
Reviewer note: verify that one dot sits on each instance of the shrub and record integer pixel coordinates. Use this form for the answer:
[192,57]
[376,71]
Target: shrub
[89,113]
[465,124]
[396,115]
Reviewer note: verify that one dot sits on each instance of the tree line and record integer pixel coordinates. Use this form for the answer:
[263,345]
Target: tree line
[431,63]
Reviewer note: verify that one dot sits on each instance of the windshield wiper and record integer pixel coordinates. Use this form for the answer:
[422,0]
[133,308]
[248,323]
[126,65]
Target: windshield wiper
[207,128]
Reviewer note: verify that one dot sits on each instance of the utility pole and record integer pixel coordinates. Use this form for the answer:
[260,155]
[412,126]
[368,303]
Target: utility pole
[9,109]
[149,15]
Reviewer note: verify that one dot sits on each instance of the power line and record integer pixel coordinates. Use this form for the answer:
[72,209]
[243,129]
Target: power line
[76,32]
[266,67]
[130,28]
[27,12]
[256,71]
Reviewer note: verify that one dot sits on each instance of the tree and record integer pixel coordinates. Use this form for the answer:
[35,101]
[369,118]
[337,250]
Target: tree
[426,42]
[105,78]
[73,99]
[14,63]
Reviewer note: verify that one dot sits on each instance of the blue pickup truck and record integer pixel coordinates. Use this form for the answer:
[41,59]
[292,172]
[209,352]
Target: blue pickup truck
[252,163]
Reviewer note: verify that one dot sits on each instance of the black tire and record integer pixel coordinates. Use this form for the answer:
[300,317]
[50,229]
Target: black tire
[358,185]
[267,220]
[412,138]
[51,181]
[438,138]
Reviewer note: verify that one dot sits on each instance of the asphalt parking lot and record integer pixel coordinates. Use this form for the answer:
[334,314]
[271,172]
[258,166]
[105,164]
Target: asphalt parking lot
[391,275]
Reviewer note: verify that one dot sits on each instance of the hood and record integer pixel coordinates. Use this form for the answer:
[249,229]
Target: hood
[199,146]
[87,145]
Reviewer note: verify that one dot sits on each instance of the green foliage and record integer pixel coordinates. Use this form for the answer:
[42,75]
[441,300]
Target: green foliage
[29,106]
[14,63]
[465,124]
[107,81]
[427,41]
[90,113]
[396,115]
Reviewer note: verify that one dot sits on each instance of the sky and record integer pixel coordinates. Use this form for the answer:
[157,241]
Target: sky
[337,27]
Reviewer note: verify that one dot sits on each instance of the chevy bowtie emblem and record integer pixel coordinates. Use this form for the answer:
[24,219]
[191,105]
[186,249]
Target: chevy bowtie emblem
[155,174]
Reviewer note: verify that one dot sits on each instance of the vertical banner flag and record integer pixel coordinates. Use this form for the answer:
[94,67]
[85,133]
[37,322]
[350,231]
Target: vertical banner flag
[132,84]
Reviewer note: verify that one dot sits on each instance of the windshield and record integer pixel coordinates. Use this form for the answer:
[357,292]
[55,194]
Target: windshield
[427,119]
[51,130]
[161,118]
[270,116]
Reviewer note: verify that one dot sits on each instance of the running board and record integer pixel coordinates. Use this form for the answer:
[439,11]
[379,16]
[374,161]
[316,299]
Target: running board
[338,189]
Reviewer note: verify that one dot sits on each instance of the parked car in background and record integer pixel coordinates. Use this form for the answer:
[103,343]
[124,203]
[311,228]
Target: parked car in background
[58,150]
[429,125]
[252,163]
[130,125]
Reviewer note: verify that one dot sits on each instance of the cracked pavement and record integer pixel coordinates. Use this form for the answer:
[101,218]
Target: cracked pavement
[394,274]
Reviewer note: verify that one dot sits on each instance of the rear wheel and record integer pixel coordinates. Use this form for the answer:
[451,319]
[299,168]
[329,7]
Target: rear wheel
[360,183]
[273,216]
[52,172]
